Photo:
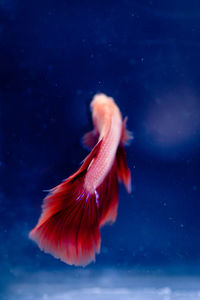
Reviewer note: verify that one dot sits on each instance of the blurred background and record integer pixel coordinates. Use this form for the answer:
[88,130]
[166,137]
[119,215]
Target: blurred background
[54,56]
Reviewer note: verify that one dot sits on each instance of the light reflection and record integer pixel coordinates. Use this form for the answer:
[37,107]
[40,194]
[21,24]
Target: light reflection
[172,122]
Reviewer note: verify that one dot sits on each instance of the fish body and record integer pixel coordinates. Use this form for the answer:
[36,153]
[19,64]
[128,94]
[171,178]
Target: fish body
[108,123]
[74,211]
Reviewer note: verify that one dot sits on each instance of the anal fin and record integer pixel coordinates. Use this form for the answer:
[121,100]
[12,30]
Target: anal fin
[123,170]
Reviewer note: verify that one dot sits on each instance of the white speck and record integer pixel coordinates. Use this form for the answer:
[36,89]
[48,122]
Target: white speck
[97,198]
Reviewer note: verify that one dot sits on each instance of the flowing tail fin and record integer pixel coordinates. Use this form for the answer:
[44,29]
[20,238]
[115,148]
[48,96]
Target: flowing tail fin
[69,225]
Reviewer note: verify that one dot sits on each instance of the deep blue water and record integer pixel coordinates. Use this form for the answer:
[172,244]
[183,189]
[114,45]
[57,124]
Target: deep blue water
[54,56]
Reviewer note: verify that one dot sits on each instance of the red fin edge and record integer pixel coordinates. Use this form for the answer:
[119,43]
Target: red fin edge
[123,171]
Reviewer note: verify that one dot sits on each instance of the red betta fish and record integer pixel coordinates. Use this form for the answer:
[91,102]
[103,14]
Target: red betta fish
[74,211]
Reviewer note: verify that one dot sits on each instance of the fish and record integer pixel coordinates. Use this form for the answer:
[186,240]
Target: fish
[74,211]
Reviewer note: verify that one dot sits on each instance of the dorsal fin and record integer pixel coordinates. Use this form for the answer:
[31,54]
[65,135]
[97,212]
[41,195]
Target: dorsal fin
[127,135]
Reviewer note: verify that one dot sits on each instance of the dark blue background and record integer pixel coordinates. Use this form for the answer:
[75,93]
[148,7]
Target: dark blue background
[54,56]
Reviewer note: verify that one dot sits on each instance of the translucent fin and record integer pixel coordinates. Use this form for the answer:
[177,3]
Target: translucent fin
[90,139]
[127,135]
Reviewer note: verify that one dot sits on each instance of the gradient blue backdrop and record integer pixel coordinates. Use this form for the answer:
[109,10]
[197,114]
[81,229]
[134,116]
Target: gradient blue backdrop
[54,56]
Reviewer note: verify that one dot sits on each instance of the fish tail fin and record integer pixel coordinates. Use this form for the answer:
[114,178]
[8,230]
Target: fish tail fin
[69,224]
